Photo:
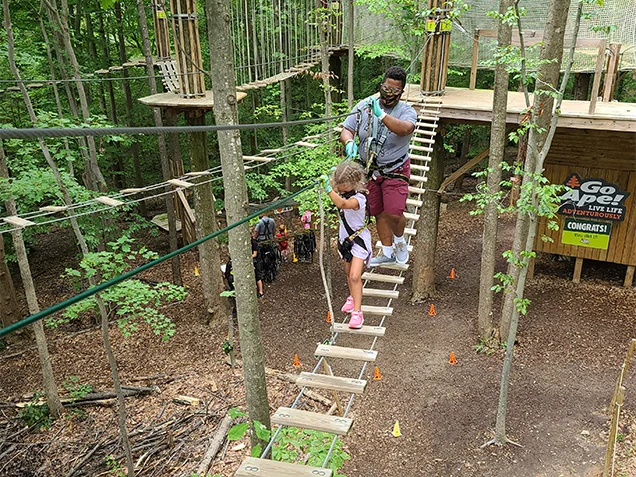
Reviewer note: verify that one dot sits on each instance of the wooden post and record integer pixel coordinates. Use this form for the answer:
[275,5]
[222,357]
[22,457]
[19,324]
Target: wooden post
[578,267]
[611,444]
[629,276]
[530,274]
[475,59]
[436,51]
[185,27]
[351,54]
[336,399]
[612,69]
[621,376]
[600,60]
[162,39]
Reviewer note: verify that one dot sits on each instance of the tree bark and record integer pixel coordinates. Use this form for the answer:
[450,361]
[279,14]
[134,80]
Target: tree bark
[206,223]
[538,147]
[426,246]
[83,247]
[50,388]
[323,28]
[463,158]
[581,86]
[10,311]
[350,9]
[161,140]
[495,158]
[236,204]
[134,148]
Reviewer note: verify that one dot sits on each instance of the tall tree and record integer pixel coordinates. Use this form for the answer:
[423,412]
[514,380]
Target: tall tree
[236,202]
[82,244]
[50,388]
[8,302]
[496,157]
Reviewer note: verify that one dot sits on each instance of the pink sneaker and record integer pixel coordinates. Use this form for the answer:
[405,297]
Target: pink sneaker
[348,306]
[357,320]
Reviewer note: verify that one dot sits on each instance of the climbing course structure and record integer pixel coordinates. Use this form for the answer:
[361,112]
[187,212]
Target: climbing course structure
[380,284]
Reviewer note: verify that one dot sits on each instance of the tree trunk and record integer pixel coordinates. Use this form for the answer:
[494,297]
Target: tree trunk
[236,203]
[10,311]
[84,248]
[463,158]
[92,50]
[161,139]
[351,32]
[322,20]
[210,261]
[426,242]
[134,148]
[581,86]
[94,178]
[495,158]
[538,147]
[50,388]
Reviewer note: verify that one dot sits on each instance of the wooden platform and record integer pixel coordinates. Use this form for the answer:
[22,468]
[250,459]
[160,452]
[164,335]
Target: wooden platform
[465,105]
[173,100]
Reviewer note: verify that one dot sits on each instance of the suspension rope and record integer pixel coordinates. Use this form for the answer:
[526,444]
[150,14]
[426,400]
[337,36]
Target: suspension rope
[33,133]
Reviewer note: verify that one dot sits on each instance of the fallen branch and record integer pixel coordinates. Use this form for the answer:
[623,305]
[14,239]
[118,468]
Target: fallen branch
[215,444]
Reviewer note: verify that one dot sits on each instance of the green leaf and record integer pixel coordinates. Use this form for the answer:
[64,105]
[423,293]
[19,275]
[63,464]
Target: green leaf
[234,413]
[238,431]
[262,432]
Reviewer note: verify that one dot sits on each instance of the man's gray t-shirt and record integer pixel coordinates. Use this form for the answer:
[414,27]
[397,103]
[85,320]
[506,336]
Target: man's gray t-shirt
[265,229]
[395,147]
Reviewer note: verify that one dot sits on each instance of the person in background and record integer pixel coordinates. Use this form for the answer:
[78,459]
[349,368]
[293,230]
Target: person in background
[281,238]
[385,127]
[265,228]
[258,268]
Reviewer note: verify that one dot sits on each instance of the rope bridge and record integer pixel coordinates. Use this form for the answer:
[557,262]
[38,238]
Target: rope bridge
[378,285]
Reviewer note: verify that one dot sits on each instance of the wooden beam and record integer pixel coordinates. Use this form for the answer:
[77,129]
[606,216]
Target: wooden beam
[629,276]
[179,183]
[17,221]
[109,201]
[464,169]
[578,268]
[612,67]
[600,60]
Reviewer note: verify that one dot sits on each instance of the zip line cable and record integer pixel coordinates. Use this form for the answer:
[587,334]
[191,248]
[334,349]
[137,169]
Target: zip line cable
[114,281]
[35,133]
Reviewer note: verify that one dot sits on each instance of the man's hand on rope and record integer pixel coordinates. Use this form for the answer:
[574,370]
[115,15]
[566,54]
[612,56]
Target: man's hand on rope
[351,149]
[374,106]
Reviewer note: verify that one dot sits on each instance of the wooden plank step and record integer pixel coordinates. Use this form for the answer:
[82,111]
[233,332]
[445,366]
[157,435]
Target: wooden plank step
[376,310]
[419,157]
[421,148]
[305,144]
[330,351]
[414,202]
[419,167]
[380,293]
[410,216]
[424,132]
[179,183]
[332,383]
[132,190]
[416,190]
[379,277]
[18,221]
[271,151]
[104,199]
[365,330]
[378,244]
[197,173]
[253,466]
[418,178]
[410,231]
[286,416]
[401,267]
[258,158]
[424,140]
[53,208]
[427,118]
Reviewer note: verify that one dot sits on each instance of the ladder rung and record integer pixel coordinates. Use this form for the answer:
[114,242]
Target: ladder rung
[109,201]
[365,330]
[424,140]
[416,190]
[379,245]
[421,148]
[379,277]
[419,157]
[286,416]
[427,118]
[253,466]
[179,183]
[418,167]
[424,131]
[330,351]
[332,383]
[410,216]
[409,231]
[380,293]
[402,267]
[377,310]
[418,178]
[414,202]
[420,124]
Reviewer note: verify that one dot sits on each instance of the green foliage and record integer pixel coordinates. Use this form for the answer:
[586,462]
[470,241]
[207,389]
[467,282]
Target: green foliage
[76,389]
[36,413]
[132,301]
[238,431]
[485,347]
[114,467]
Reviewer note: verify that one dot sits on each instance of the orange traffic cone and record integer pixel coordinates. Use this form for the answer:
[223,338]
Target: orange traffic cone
[328,317]
[452,359]
[431,311]
[376,374]
[452,273]
[297,362]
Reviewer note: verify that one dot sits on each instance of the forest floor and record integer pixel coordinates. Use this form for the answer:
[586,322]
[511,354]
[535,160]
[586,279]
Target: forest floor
[569,350]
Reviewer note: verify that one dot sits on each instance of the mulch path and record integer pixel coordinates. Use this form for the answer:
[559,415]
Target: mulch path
[569,349]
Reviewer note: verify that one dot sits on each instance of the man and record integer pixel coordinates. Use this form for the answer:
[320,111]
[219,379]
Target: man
[265,228]
[385,128]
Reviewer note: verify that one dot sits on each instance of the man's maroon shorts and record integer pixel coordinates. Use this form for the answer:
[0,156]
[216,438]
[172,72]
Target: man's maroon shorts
[389,195]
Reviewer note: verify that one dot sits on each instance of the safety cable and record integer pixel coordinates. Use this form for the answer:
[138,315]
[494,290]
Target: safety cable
[34,133]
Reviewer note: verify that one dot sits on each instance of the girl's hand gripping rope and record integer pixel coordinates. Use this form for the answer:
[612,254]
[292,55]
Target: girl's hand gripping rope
[325,182]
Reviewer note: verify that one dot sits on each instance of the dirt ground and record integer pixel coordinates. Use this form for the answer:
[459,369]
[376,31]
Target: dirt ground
[569,349]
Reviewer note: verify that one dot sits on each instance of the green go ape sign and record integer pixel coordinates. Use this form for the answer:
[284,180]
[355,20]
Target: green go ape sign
[586,233]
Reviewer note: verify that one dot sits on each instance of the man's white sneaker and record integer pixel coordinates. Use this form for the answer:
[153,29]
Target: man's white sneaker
[401,252]
[381,259]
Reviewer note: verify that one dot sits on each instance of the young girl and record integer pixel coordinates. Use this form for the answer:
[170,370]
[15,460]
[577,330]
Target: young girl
[281,238]
[346,189]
